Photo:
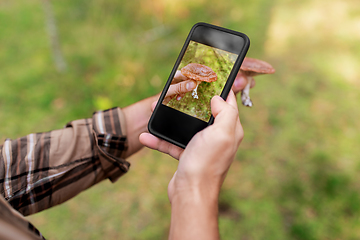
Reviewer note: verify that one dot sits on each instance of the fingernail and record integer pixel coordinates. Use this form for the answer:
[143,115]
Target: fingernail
[190,85]
[178,98]
[218,97]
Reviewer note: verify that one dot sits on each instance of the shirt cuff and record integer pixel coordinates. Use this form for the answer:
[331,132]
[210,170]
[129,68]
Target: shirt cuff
[109,128]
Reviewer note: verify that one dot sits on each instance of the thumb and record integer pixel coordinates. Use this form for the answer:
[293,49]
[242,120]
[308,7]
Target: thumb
[218,104]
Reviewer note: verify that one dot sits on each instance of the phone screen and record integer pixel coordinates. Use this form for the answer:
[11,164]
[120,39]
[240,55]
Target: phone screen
[211,57]
[210,68]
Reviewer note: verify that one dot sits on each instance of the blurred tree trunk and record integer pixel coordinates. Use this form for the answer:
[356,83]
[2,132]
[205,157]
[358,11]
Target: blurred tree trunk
[59,60]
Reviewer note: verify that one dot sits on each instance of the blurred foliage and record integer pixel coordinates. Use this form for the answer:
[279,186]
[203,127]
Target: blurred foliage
[296,174]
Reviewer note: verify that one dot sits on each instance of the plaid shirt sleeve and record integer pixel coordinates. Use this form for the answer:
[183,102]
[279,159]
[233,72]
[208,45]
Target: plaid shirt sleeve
[45,169]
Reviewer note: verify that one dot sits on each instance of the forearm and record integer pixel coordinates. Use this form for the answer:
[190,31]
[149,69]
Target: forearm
[194,215]
[137,116]
[45,169]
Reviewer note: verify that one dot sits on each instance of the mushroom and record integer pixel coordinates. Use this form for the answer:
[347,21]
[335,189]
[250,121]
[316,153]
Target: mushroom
[249,68]
[199,73]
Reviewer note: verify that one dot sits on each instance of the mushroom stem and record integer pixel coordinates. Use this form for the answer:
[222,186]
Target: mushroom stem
[245,94]
[194,92]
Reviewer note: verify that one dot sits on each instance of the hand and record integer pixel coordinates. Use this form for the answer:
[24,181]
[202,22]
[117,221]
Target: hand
[179,89]
[137,115]
[240,82]
[210,152]
[193,191]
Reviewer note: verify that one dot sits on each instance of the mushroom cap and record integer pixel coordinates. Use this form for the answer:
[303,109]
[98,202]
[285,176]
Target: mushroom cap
[199,72]
[252,67]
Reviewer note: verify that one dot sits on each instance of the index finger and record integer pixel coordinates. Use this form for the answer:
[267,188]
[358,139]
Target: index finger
[150,141]
[181,87]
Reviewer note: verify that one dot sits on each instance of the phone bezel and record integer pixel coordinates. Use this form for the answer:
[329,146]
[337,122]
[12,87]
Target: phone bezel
[177,127]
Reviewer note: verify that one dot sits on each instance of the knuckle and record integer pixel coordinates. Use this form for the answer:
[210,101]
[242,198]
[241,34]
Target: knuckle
[232,113]
[180,88]
[240,137]
[183,87]
[224,137]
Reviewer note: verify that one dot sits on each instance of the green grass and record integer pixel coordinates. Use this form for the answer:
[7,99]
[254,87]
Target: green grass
[296,174]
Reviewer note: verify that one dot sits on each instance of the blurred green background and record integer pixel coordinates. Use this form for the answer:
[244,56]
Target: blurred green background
[296,174]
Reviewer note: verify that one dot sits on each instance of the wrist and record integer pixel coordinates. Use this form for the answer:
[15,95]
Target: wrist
[137,117]
[194,214]
[205,193]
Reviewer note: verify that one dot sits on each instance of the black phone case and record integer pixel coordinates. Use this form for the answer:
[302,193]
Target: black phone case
[177,127]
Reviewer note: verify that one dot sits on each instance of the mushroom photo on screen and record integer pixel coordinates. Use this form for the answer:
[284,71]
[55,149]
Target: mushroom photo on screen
[199,73]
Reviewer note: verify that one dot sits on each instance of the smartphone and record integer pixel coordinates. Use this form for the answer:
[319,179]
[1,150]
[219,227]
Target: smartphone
[211,56]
